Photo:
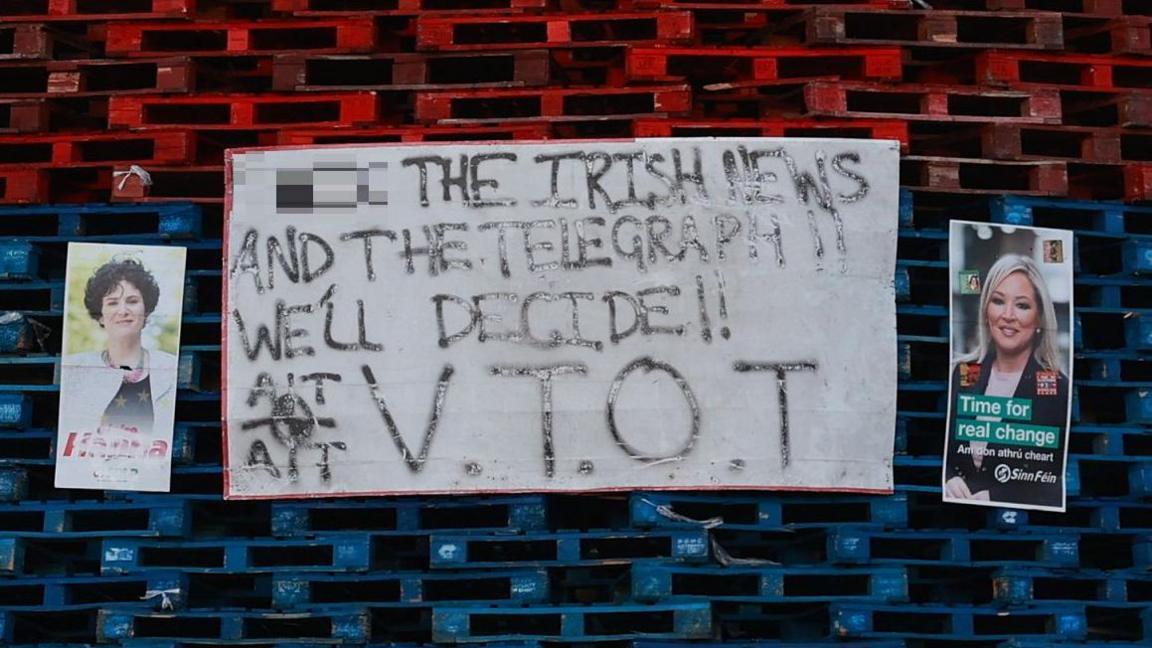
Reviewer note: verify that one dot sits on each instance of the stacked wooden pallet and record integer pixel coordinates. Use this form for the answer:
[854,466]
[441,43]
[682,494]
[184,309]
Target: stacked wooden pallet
[1012,111]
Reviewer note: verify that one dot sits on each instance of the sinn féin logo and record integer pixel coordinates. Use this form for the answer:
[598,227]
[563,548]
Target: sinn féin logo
[1003,473]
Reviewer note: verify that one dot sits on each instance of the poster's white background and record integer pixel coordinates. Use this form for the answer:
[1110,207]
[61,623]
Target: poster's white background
[834,309]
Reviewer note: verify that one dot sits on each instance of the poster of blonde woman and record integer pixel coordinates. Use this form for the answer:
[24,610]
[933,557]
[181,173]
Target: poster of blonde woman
[1009,399]
[123,305]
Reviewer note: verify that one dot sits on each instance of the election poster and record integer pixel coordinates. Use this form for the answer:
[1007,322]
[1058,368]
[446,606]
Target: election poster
[1009,401]
[123,306]
[560,317]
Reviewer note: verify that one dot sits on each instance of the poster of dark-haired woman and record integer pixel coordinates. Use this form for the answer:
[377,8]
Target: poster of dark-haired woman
[123,306]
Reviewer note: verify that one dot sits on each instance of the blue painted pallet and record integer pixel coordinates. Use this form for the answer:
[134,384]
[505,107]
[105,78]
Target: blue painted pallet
[1134,399]
[1089,216]
[764,511]
[49,594]
[514,513]
[1112,292]
[1114,367]
[1113,439]
[94,519]
[572,623]
[35,625]
[27,447]
[15,410]
[765,643]
[490,587]
[929,468]
[35,298]
[265,643]
[565,549]
[1064,622]
[103,222]
[36,447]
[1048,643]
[341,553]
[648,643]
[49,556]
[34,259]
[347,627]
[862,546]
[908,273]
[1120,621]
[909,348]
[45,298]
[13,482]
[19,261]
[1097,514]
[1137,327]
[787,621]
[656,581]
[1024,586]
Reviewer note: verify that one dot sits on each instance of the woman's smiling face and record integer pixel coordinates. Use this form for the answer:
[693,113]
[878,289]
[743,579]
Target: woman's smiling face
[122,311]
[1013,314]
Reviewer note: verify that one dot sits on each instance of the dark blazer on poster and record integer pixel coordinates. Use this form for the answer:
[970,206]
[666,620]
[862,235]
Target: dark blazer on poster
[1046,410]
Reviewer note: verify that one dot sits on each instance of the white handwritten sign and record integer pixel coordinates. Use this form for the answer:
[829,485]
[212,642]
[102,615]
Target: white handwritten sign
[661,313]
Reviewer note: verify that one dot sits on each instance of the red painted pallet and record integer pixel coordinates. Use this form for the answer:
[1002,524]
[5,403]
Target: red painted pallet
[1094,181]
[1109,35]
[96,77]
[231,38]
[309,137]
[935,28]
[975,176]
[328,8]
[569,30]
[587,66]
[1074,143]
[199,184]
[23,186]
[23,116]
[932,103]
[736,28]
[242,111]
[1089,72]
[36,41]
[587,104]
[756,4]
[848,128]
[1127,109]
[1100,7]
[765,63]
[76,10]
[519,68]
[1138,182]
[103,149]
